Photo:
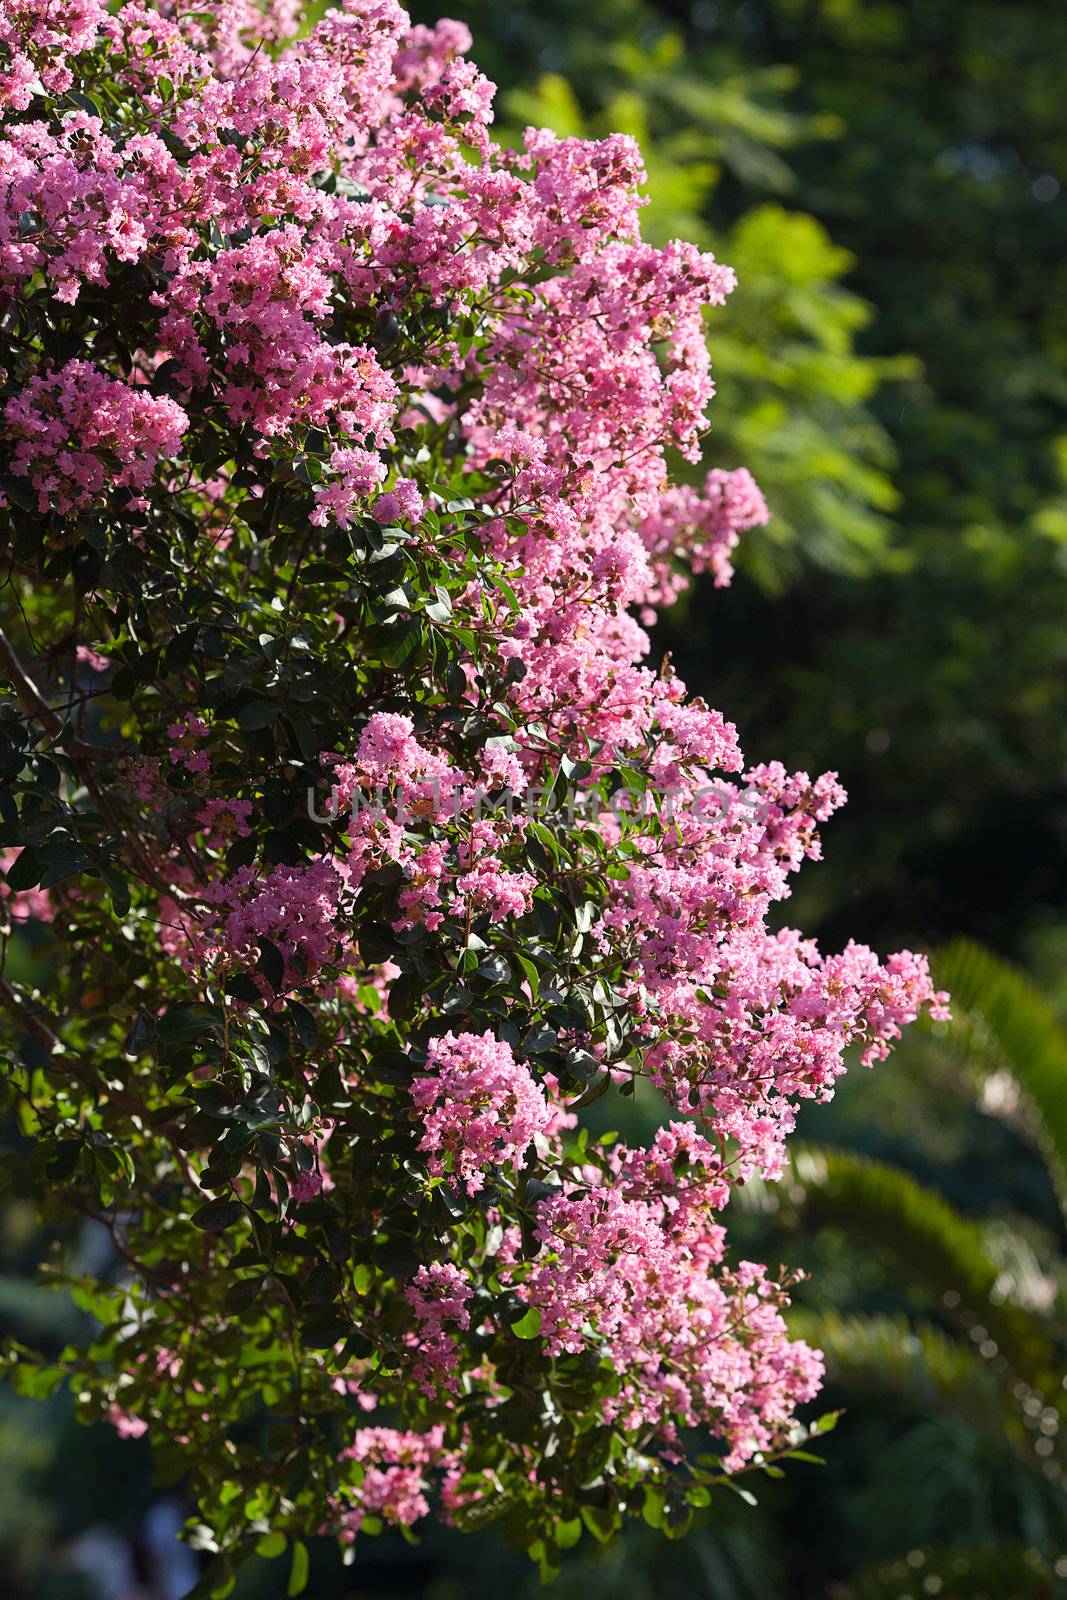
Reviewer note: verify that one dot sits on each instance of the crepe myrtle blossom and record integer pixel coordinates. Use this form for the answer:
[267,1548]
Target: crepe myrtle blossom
[125,1426]
[438,1296]
[79,435]
[37,41]
[341,436]
[479,1107]
[688,1340]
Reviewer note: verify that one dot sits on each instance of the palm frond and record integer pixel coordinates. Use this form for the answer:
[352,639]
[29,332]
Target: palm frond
[1007,1027]
[922,1365]
[933,1243]
[991,1572]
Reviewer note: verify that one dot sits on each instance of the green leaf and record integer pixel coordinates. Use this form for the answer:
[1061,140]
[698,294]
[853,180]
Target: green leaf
[182,1024]
[241,1295]
[595,1091]
[217,1215]
[272,964]
[363,1277]
[66,1158]
[528,1325]
[304,1023]
[25,871]
[298,1572]
[401,643]
[533,977]
[920,1364]
[601,1522]
[62,860]
[118,889]
[567,1534]
[256,714]
[932,1242]
[36,1383]
[139,1037]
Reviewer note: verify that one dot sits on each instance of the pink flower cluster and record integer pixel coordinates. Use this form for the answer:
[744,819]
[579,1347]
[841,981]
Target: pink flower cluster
[185,749]
[225,819]
[295,908]
[395,776]
[256,308]
[480,1109]
[394,1467]
[403,500]
[438,1296]
[125,1425]
[78,435]
[36,42]
[699,528]
[639,1262]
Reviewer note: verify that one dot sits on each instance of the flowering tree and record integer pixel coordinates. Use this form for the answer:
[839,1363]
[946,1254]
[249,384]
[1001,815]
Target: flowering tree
[335,476]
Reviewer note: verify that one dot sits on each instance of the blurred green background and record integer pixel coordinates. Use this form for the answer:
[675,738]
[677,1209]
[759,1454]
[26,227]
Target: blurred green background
[888,178]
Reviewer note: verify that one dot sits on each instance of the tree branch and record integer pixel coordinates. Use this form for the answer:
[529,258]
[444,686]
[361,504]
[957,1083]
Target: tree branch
[39,1030]
[27,693]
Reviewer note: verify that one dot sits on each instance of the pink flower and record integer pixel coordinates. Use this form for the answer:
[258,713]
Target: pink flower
[306,1186]
[91,658]
[225,819]
[125,1425]
[479,1107]
[184,736]
[394,1476]
[438,1297]
[78,435]
[639,1263]
[403,500]
[37,42]
[482,480]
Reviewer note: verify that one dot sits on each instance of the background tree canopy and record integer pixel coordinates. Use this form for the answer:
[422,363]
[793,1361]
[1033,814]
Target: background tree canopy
[889,181]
